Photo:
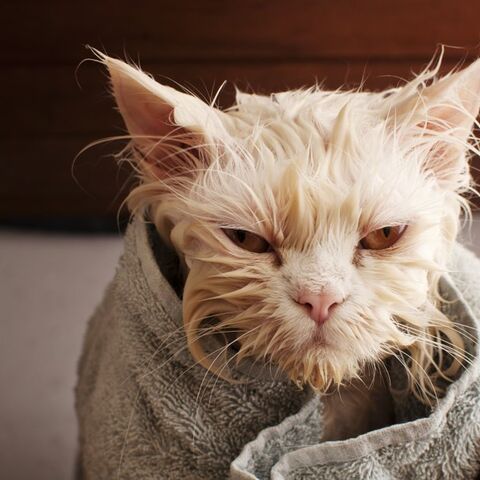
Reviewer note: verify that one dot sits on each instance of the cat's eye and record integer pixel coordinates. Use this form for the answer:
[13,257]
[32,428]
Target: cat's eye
[248,240]
[382,238]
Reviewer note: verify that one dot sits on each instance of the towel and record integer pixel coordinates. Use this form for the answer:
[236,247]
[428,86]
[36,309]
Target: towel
[146,410]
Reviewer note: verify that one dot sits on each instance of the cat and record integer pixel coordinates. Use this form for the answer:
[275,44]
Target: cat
[313,225]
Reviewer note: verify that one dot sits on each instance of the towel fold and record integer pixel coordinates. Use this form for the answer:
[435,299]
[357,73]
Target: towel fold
[146,410]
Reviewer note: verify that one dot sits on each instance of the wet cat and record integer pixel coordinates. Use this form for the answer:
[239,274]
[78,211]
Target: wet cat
[314,226]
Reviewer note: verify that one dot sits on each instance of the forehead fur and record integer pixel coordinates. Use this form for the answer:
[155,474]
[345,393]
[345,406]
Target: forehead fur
[304,159]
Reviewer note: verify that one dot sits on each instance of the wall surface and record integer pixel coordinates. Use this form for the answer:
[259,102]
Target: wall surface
[54,104]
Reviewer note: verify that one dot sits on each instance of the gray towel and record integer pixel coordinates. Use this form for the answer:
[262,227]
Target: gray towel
[147,411]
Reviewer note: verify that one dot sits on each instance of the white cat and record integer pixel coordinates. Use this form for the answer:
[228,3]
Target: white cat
[314,225]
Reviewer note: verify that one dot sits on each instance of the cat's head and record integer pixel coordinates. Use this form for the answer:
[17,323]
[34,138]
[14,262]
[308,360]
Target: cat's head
[313,225]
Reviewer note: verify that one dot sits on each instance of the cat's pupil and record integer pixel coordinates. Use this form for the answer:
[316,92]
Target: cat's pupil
[241,235]
[386,231]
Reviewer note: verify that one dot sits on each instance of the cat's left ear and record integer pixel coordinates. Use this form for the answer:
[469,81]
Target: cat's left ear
[170,130]
[441,117]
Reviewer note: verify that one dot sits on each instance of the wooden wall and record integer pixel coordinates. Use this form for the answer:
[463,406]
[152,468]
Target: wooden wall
[53,105]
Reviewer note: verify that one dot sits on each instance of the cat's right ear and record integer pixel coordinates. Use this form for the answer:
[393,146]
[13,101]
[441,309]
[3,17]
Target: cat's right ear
[438,119]
[170,130]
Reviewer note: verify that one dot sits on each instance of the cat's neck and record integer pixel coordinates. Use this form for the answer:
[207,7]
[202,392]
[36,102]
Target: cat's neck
[359,407]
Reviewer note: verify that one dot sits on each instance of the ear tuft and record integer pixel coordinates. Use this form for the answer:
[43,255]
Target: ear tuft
[162,121]
[440,117]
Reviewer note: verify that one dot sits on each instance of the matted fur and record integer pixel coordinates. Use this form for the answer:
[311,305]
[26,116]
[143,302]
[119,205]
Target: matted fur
[312,172]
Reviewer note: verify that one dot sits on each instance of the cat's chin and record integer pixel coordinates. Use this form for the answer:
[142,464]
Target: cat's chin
[324,363]
[318,362]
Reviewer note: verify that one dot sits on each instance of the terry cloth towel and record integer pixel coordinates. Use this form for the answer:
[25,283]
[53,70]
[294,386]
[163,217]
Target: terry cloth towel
[147,411]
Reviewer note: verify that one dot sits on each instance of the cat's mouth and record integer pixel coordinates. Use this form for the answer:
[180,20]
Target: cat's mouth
[318,338]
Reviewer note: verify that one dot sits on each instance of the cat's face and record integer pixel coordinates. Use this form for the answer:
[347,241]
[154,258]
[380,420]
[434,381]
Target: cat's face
[268,238]
[314,225]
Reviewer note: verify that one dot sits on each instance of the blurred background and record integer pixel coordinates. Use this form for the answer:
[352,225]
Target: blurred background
[60,219]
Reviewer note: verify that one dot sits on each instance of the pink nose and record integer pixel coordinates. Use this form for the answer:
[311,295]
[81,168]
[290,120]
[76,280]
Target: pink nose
[319,305]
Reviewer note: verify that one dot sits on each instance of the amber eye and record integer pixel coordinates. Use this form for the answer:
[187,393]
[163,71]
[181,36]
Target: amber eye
[382,238]
[248,240]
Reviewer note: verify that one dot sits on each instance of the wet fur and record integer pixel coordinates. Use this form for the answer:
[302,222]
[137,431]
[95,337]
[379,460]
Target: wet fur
[312,172]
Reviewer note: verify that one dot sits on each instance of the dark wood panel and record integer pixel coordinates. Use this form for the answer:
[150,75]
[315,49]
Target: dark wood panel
[152,30]
[260,45]
[40,178]
[49,101]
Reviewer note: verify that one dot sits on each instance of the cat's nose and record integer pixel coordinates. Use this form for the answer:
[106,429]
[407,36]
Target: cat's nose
[319,305]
